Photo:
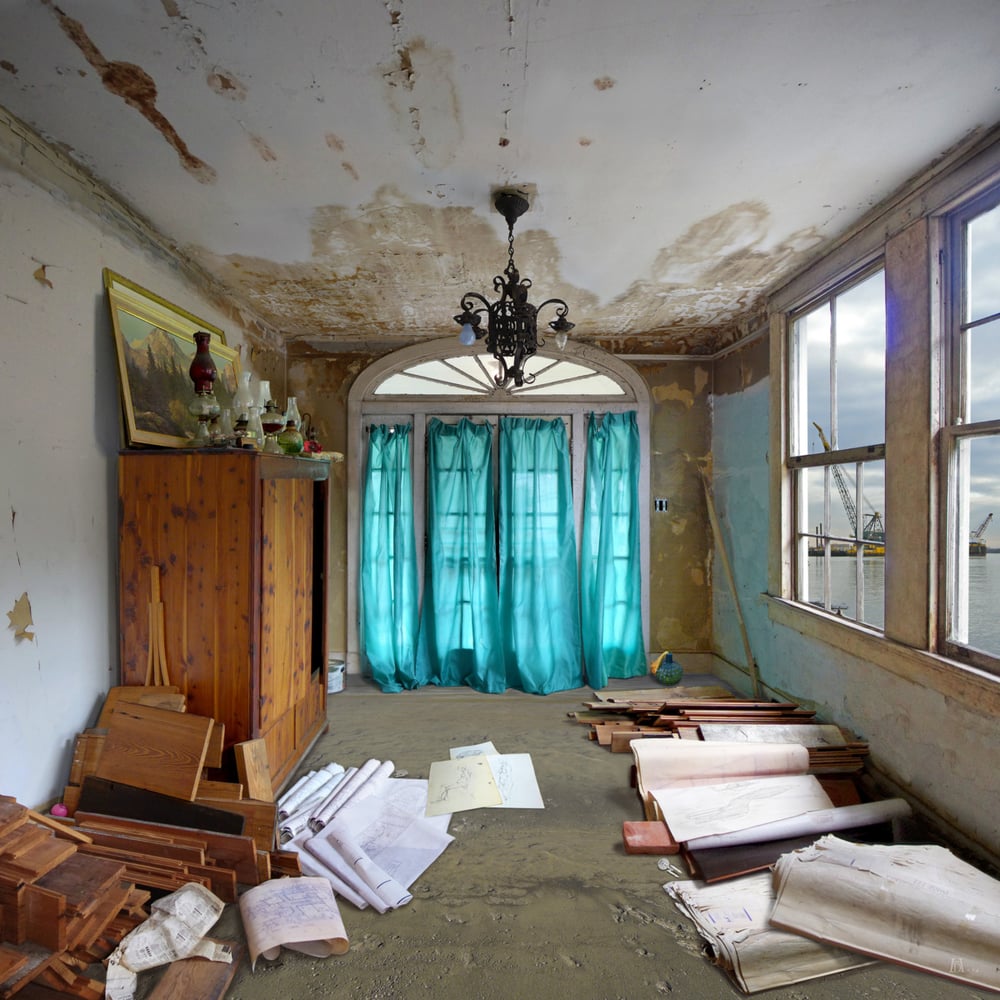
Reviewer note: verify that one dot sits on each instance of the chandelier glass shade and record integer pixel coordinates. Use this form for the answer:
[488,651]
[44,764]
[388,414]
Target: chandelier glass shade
[511,320]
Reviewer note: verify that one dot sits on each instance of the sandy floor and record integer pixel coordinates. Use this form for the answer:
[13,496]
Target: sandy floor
[525,903]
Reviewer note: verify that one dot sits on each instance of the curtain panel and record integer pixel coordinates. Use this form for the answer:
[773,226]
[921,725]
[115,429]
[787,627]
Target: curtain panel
[610,569]
[460,622]
[539,590]
[388,576]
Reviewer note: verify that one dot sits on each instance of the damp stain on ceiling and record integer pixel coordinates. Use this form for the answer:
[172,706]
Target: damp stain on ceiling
[332,164]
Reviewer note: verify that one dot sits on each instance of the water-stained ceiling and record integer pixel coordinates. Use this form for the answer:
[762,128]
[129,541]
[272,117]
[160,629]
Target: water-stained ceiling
[332,161]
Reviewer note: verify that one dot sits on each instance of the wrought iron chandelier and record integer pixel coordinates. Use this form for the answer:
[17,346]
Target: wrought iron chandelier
[512,321]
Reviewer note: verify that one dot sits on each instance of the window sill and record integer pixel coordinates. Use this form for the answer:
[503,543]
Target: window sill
[976,690]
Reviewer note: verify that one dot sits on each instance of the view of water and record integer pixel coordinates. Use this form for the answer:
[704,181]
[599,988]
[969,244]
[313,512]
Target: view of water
[984,594]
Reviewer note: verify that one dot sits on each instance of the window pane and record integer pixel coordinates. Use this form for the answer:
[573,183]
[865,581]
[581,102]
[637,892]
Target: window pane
[814,331]
[860,341]
[846,578]
[983,360]
[840,370]
[979,576]
[836,524]
[983,263]
[844,587]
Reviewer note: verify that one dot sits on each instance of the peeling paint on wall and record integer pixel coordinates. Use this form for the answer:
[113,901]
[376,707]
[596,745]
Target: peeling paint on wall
[136,88]
[20,619]
[227,85]
[663,393]
[422,96]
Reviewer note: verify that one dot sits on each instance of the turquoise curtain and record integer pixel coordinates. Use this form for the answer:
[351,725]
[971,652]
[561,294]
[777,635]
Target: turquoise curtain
[459,622]
[388,579]
[539,592]
[610,570]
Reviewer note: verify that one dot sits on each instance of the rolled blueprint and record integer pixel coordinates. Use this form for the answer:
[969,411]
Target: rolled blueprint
[329,802]
[818,822]
[347,789]
[309,790]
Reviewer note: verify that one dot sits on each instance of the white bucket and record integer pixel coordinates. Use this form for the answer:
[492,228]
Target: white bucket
[334,676]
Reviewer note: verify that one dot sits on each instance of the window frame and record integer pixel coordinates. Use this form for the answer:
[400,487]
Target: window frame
[796,464]
[909,231]
[955,430]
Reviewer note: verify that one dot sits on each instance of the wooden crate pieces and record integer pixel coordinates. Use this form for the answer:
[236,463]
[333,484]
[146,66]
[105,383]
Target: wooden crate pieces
[60,911]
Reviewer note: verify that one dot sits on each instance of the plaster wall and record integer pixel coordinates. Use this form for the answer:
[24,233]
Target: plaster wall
[680,418]
[58,448]
[321,384]
[680,574]
[931,725]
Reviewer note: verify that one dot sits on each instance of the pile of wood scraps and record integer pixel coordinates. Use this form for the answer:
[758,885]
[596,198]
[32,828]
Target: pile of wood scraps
[60,910]
[144,787]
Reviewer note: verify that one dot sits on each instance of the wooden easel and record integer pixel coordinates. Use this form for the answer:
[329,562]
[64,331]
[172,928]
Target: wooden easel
[156,659]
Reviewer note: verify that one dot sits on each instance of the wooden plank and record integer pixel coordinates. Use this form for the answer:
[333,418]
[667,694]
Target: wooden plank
[155,749]
[12,814]
[84,881]
[87,749]
[253,769]
[21,840]
[111,798]
[198,977]
[62,976]
[36,958]
[60,829]
[10,961]
[42,858]
[230,790]
[46,921]
[161,696]
[225,849]
[285,864]
[216,744]
[648,837]
[222,881]
[147,846]
[621,740]
[260,818]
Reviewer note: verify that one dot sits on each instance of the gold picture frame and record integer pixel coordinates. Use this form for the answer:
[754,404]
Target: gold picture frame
[154,342]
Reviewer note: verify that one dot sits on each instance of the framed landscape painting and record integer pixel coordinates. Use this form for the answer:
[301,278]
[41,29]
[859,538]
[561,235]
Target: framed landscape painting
[154,341]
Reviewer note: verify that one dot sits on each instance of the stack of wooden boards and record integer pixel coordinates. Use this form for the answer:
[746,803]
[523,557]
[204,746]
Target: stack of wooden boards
[144,788]
[712,714]
[715,715]
[61,910]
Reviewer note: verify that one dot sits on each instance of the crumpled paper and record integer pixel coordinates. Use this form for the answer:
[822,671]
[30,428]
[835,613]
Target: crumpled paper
[175,929]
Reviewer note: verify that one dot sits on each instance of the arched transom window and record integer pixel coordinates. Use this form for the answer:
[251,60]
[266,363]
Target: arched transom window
[441,379]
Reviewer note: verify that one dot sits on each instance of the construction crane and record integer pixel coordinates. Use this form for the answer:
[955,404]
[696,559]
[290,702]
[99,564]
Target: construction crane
[977,547]
[874,529]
